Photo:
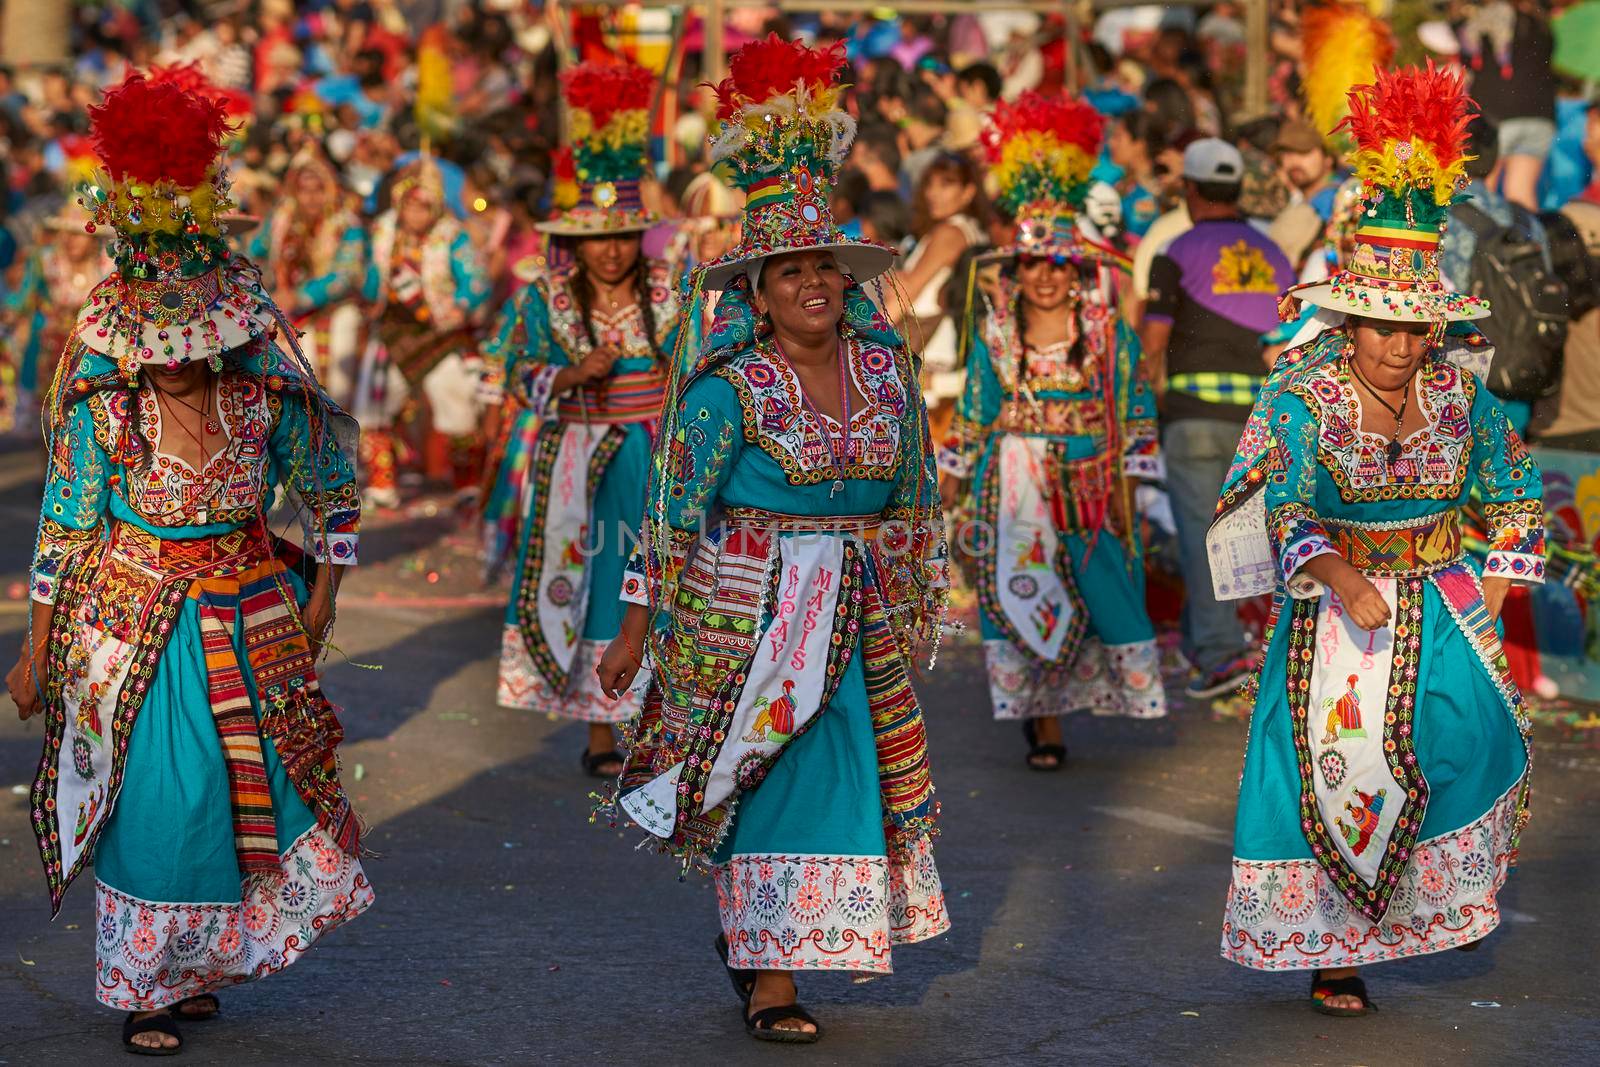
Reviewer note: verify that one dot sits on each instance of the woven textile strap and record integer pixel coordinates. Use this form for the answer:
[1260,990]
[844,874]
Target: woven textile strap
[1414,551]
[634,397]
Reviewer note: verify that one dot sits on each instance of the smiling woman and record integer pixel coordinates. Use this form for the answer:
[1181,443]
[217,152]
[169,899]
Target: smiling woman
[791,565]
[1055,423]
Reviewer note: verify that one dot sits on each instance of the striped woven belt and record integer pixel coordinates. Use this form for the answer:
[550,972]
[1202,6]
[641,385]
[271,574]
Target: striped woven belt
[866,525]
[631,397]
[1400,550]
[1217,387]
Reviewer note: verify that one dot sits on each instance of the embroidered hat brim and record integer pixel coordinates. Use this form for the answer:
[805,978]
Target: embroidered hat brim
[1427,303]
[862,260]
[176,322]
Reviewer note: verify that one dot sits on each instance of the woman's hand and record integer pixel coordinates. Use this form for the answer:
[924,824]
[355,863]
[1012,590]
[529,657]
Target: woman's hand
[315,618]
[593,368]
[1362,601]
[1494,595]
[621,663]
[25,682]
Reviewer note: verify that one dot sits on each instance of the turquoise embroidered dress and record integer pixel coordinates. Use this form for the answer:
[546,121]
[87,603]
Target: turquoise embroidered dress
[578,484]
[1045,438]
[189,750]
[780,740]
[1385,781]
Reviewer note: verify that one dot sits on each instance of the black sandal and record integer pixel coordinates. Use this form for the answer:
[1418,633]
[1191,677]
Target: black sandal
[744,982]
[592,764]
[1038,753]
[163,1023]
[1351,986]
[763,1025]
[201,999]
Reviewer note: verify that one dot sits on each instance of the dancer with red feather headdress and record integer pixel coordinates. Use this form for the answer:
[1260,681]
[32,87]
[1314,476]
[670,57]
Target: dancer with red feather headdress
[189,748]
[1054,423]
[790,566]
[1385,783]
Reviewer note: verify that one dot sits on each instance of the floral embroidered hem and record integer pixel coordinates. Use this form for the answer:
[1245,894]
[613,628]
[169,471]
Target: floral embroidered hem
[522,686]
[830,913]
[1289,915]
[151,954]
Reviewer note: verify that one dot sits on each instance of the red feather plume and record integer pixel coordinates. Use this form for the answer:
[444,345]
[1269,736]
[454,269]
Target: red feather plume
[1429,104]
[605,88]
[562,166]
[189,77]
[762,70]
[1070,119]
[150,131]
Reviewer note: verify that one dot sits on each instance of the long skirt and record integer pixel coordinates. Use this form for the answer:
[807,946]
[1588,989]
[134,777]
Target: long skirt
[570,562]
[173,917]
[804,878]
[1436,729]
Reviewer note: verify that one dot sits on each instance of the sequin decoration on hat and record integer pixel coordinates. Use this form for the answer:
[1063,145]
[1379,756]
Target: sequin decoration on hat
[178,293]
[1409,129]
[1042,147]
[782,138]
[598,173]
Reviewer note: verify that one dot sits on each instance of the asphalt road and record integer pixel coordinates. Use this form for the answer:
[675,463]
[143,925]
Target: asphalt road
[509,929]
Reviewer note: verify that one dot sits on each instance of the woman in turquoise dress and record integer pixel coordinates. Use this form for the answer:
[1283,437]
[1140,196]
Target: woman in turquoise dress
[189,751]
[792,564]
[1053,424]
[1385,780]
[583,351]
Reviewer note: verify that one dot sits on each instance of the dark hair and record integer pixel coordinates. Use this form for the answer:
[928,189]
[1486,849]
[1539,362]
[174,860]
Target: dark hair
[880,139]
[1170,101]
[1146,128]
[852,187]
[889,215]
[964,171]
[984,73]
[1218,192]
[926,107]
[677,182]
[1483,142]
[583,293]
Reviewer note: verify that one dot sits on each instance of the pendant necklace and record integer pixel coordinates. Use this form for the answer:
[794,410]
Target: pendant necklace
[1393,449]
[816,417]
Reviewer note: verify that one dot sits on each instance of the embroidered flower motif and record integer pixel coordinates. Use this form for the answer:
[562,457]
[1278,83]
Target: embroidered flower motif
[228,940]
[809,898]
[255,917]
[143,941]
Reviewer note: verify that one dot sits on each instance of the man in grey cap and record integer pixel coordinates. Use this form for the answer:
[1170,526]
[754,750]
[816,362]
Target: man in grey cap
[1213,294]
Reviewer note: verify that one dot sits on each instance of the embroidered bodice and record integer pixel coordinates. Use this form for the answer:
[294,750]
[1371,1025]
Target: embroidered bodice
[806,443]
[1081,393]
[1323,470]
[542,330]
[100,472]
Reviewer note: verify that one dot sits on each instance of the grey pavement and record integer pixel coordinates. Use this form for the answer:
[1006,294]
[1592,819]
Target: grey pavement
[508,929]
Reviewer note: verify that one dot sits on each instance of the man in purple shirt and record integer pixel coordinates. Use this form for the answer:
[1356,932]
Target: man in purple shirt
[1213,293]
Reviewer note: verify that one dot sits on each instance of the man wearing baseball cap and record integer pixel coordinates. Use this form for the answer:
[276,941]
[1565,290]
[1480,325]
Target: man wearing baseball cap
[1311,173]
[1213,293]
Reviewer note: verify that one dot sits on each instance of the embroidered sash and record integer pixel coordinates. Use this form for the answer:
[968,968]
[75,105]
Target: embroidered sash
[1025,583]
[569,460]
[117,608]
[1352,696]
